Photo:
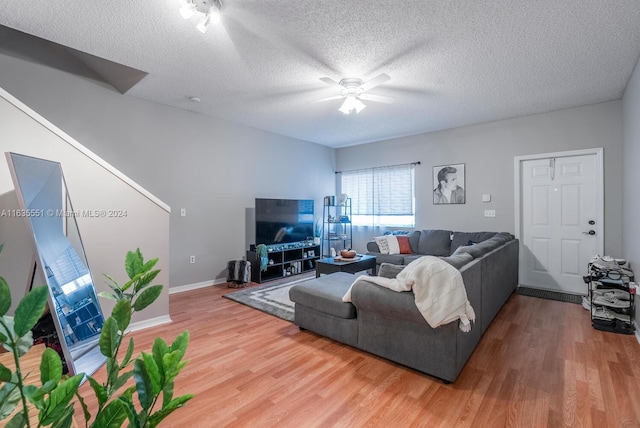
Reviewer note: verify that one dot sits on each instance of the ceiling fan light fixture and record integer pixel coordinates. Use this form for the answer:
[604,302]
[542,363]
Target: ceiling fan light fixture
[359,105]
[210,8]
[188,10]
[352,103]
[202,26]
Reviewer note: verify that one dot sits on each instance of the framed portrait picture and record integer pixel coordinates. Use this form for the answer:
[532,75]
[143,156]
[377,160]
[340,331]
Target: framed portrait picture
[449,184]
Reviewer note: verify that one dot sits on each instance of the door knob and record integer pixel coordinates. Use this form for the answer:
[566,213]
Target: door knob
[591,232]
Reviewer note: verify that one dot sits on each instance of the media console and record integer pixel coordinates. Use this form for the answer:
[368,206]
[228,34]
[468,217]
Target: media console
[284,260]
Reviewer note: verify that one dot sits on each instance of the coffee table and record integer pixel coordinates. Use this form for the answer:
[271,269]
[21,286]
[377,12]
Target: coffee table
[329,265]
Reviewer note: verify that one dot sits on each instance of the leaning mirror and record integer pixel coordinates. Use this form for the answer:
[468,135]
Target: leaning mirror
[60,257]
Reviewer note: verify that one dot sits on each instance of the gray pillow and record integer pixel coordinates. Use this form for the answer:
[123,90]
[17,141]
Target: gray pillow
[467,238]
[388,270]
[458,260]
[435,243]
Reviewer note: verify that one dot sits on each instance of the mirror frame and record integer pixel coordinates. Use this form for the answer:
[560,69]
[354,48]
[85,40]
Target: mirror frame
[88,347]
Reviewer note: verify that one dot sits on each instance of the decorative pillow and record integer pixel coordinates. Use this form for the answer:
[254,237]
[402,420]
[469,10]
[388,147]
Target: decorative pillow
[389,270]
[382,244]
[392,242]
[403,243]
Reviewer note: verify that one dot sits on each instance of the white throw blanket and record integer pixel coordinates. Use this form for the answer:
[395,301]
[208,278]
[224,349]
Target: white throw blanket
[438,289]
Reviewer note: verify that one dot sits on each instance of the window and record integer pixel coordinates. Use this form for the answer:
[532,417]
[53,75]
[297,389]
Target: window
[381,196]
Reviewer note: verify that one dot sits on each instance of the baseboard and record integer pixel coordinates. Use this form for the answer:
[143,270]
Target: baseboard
[152,322]
[637,331]
[197,285]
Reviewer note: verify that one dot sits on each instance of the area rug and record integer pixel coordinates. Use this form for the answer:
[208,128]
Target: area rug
[550,295]
[272,298]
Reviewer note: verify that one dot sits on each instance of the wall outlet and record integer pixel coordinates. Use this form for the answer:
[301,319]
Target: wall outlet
[192,259]
[489,213]
[183,212]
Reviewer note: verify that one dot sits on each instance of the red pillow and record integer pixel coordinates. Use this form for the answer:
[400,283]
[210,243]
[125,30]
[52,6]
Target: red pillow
[403,243]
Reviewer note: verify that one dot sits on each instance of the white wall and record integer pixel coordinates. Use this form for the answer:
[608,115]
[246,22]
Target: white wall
[630,188]
[91,187]
[488,150]
[212,168]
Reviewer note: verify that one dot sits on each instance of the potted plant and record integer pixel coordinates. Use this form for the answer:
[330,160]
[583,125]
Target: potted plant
[153,373]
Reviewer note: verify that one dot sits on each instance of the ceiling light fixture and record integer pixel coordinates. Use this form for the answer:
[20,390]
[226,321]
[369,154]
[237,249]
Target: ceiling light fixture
[209,8]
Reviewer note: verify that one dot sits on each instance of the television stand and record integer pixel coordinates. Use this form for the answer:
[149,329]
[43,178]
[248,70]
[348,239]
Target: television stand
[284,260]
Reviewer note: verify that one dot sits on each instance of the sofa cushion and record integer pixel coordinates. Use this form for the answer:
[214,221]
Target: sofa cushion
[388,270]
[324,294]
[411,257]
[404,245]
[458,260]
[382,243]
[434,242]
[396,259]
[466,238]
[414,239]
[479,250]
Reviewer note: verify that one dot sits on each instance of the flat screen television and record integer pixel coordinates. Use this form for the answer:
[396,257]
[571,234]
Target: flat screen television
[280,221]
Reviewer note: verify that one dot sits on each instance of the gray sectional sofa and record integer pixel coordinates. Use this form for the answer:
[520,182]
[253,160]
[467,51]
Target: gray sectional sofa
[388,323]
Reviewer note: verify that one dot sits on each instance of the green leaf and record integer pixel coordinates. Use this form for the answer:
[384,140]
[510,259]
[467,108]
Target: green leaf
[5,374]
[59,400]
[30,309]
[133,262]
[99,391]
[149,265]
[109,338]
[9,397]
[132,281]
[83,406]
[5,297]
[17,421]
[181,343]
[172,365]
[122,314]
[159,349]
[128,354]
[112,282]
[154,373]
[143,384]
[134,421]
[23,344]
[167,393]
[121,380]
[50,366]
[107,295]
[161,414]
[146,280]
[147,297]
[65,420]
[112,416]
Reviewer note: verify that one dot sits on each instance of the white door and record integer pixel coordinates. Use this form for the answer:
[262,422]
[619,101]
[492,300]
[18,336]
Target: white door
[561,224]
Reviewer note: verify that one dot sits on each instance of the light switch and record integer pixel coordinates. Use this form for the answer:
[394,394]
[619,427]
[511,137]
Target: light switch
[183,212]
[489,213]
[486,197]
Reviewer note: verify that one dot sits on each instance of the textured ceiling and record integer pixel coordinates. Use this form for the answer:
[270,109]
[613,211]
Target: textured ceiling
[451,62]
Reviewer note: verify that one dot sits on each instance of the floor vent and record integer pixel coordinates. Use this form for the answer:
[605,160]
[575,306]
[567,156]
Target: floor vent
[550,295]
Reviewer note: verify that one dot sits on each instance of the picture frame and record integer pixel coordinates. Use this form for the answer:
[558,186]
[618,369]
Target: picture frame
[449,185]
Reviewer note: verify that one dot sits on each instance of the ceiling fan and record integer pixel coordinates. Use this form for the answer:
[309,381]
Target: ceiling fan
[353,92]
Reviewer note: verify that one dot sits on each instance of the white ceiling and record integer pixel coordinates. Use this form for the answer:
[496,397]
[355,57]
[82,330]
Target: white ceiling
[452,62]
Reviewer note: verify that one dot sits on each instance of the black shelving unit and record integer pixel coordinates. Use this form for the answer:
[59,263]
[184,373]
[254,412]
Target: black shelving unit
[284,260]
[612,296]
[337,227]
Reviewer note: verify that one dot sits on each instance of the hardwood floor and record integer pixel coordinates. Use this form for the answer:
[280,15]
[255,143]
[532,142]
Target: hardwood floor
[540,364]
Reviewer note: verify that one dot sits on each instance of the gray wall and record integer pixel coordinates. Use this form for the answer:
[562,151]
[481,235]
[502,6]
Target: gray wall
[630,189]
[212,168]
[488,150]
[91,187]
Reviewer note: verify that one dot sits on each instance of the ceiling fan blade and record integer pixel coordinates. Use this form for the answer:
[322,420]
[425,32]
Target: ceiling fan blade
[377,98]
[331,82]
[337,97]
[374,82]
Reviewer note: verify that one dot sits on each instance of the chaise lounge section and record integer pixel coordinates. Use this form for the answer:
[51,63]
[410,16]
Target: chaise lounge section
[388,323]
